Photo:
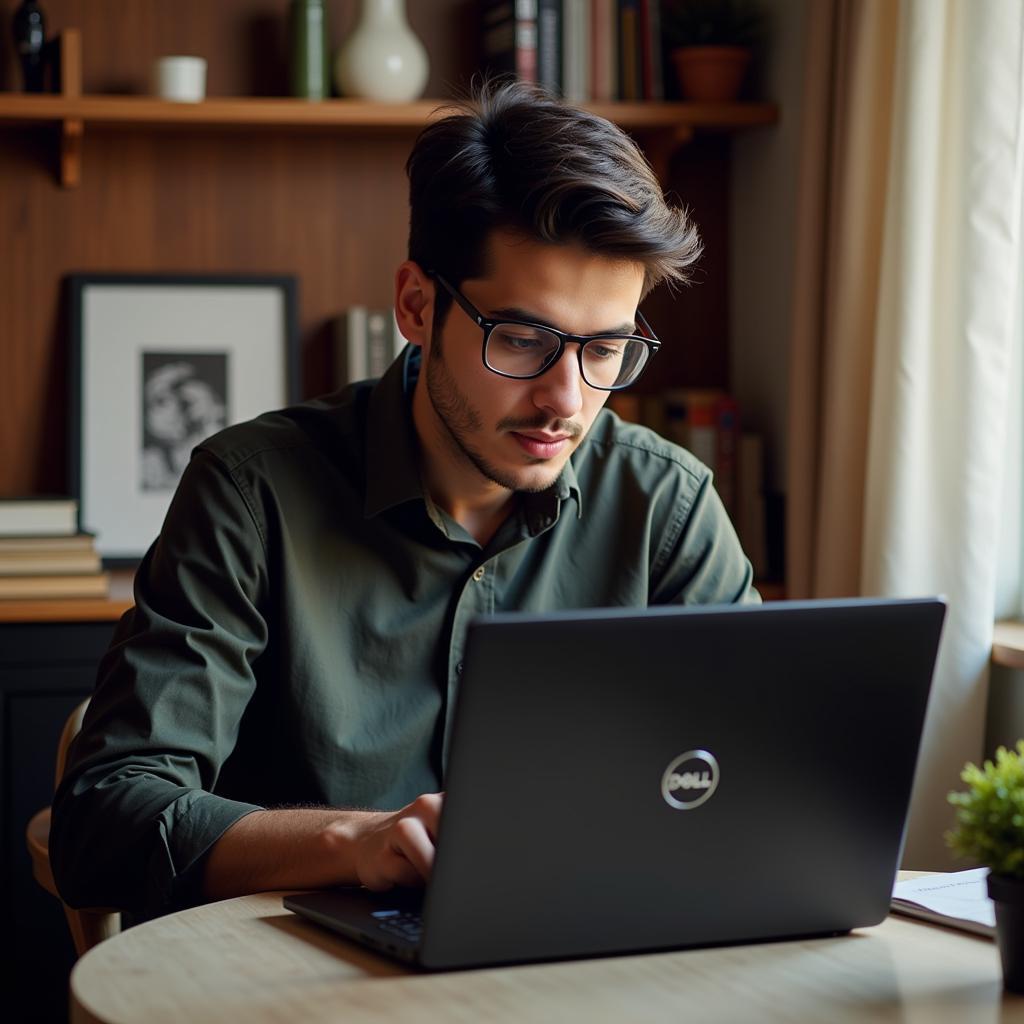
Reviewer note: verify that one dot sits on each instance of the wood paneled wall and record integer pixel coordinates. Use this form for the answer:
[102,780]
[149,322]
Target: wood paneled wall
[330,209]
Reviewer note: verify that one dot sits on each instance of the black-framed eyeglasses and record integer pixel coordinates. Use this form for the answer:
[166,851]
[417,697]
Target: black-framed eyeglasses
[522,350]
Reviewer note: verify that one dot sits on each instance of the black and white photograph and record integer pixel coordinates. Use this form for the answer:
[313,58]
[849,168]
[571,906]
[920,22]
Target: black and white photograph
[159,363]
[184,401]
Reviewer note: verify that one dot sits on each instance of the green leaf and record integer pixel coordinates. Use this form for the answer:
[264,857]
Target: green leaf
[990,815]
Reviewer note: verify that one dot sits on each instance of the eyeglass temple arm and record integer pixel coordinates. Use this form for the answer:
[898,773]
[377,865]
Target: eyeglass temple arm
[471,311]
[647,330]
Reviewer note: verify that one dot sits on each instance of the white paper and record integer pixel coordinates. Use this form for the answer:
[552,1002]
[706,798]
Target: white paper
[961,895]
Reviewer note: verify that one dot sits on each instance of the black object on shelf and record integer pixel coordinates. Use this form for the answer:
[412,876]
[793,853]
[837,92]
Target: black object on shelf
[29,40]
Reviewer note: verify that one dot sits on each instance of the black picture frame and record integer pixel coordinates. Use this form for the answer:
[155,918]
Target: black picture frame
[140,345]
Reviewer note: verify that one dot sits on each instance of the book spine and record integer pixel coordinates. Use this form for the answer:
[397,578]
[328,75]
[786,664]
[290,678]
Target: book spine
[751,525]
[629,50]
[397,338]
[68,564]
[601,58]
[652,413]
[690,422]
[90,585]
[379,344]
[727,439]
[702,433]
[549,45]
[651,81]
[576,50]
[657,54]
[646,57]
[510,38]
[38,517]
[626,406]
[614,72]
[350,349]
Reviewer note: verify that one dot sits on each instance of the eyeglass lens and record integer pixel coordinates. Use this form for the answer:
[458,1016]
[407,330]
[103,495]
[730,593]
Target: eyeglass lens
[521,351]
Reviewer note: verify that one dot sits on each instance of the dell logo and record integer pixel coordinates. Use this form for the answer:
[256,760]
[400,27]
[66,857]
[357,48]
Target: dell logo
[690,780]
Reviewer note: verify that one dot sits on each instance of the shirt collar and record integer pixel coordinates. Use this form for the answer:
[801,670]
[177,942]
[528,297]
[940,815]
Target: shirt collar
[392,451]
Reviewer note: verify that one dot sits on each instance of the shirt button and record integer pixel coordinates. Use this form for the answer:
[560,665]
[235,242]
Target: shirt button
[479,574]
[458,669]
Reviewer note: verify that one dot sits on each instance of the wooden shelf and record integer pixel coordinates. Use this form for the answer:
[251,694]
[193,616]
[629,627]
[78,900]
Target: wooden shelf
[93,609]
[253,112]
[1008,645]
[662,127]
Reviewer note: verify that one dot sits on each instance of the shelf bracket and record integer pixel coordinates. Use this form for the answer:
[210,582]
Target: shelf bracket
[660,147]
[69,80]
[71,152]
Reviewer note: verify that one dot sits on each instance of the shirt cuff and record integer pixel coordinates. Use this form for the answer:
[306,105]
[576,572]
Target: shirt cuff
[187,829]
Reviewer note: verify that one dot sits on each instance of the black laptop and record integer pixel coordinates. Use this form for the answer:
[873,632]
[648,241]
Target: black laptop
[633,780]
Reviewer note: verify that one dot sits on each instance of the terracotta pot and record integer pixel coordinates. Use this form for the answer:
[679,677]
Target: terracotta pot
[711,74]
[1008,896]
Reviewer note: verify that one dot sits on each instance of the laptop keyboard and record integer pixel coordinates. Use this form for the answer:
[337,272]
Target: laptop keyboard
[405,924]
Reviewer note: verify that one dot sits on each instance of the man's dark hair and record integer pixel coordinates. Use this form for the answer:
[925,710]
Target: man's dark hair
[512,157]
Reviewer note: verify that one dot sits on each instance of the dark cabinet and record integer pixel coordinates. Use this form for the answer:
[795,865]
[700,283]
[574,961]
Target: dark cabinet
[46,668]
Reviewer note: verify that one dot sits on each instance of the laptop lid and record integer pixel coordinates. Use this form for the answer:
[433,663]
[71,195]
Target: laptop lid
[631,780]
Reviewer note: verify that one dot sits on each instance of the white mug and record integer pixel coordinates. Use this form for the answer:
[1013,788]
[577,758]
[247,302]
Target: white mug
[182,79]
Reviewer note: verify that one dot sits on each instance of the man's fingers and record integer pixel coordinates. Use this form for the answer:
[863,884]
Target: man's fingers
[399,850]
[428,809]
[411,839]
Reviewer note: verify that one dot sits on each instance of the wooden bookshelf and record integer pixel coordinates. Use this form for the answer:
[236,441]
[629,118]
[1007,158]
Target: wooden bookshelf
[250,181]
[663,127]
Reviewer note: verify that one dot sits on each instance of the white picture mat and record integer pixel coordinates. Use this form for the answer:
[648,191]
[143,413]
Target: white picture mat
[121,322]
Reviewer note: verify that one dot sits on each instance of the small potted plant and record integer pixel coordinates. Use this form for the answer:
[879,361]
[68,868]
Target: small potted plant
[710,44]
[990,829]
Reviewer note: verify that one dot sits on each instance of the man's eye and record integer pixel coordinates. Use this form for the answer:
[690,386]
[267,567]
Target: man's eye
[521,342]
[604,351]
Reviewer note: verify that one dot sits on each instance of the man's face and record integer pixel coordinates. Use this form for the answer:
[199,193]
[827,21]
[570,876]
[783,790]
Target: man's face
[520,433]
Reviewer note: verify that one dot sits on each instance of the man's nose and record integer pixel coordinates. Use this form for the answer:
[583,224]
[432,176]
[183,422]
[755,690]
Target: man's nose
[560,390]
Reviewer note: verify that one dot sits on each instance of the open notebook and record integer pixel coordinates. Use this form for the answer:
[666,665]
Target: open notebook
[958,899]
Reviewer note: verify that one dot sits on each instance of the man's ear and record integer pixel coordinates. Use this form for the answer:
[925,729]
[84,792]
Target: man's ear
[414,303]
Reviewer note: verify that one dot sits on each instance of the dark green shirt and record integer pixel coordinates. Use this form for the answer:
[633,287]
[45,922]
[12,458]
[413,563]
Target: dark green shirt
[298,628]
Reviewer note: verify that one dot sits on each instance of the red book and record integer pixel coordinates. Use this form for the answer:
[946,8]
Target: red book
[650,50]
[603,63]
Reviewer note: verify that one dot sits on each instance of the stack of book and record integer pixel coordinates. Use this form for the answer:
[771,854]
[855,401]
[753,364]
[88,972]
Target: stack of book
[366,342]
[583,50]
[42,553]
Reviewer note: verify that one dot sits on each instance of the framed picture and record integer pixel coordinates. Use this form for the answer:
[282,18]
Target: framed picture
[158,363]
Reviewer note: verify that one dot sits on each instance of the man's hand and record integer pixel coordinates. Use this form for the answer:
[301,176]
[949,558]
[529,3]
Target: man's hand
[315,848]
[395,848]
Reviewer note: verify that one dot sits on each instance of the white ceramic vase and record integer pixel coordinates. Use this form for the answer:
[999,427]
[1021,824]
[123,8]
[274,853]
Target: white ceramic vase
[382,59]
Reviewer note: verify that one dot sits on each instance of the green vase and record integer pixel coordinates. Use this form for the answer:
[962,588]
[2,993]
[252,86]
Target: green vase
[310,67]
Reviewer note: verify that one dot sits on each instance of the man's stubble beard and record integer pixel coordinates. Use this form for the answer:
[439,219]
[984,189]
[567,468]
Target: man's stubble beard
[461,420]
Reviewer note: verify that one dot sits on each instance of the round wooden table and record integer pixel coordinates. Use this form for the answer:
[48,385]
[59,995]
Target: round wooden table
[249,960]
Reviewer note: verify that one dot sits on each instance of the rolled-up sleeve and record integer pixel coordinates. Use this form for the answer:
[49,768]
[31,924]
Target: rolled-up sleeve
[136,811]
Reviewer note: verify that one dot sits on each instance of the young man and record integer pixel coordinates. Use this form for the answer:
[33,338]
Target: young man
[296,643]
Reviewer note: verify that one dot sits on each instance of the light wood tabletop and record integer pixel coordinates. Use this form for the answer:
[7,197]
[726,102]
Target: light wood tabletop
[250,960]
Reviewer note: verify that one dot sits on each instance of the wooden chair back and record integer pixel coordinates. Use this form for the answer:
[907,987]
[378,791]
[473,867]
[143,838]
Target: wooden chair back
[91,925]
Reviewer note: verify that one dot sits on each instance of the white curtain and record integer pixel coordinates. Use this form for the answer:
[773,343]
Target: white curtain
[946,377]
